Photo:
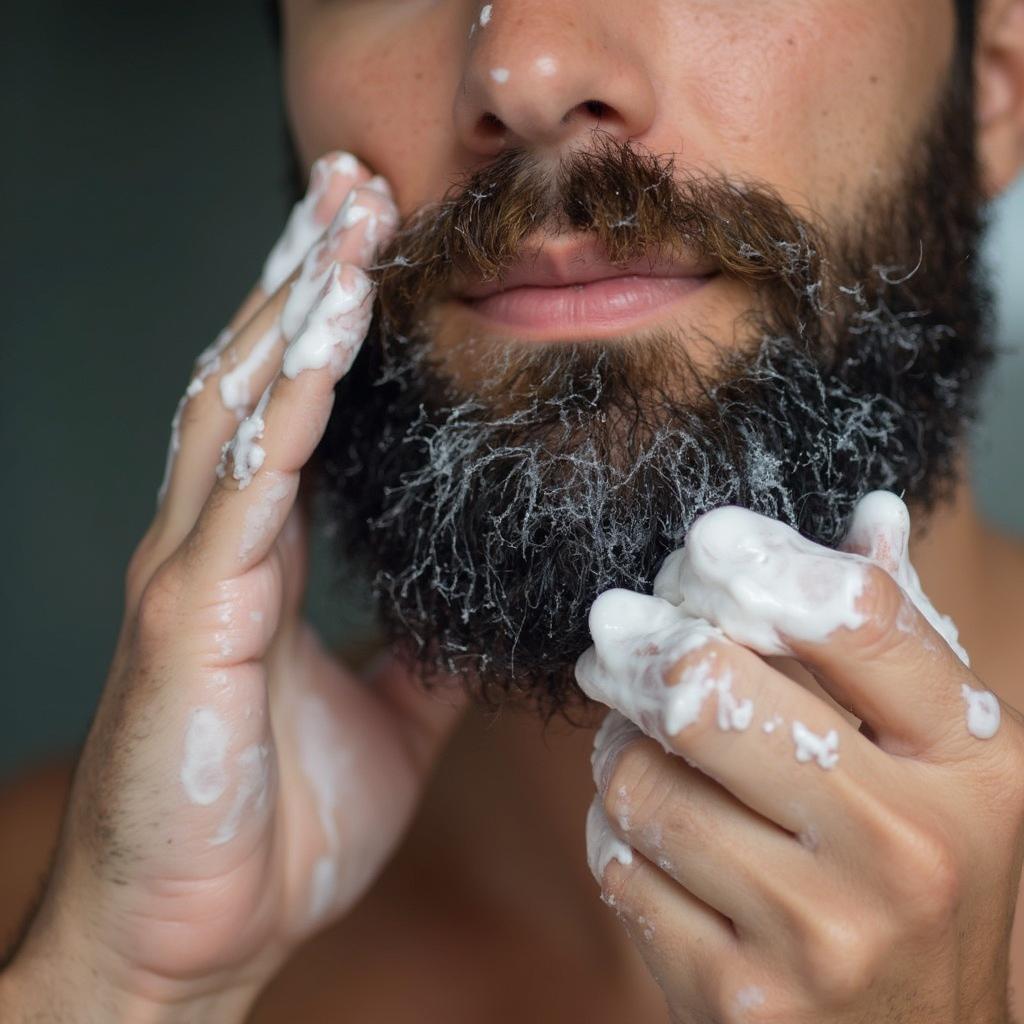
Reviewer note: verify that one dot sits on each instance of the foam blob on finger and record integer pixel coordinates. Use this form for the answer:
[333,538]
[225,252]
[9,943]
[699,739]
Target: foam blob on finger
[638,642]
[758,580]
[332,177]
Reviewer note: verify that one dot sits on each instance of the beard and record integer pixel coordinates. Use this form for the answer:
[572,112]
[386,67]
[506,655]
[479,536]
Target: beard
[488,514]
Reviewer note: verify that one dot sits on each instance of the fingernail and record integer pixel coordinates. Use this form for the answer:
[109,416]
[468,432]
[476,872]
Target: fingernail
[332,177]
[615,734]
[603,845]
[335,325]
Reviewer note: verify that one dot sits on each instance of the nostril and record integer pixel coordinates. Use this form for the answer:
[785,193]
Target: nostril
[595,108]
[491,125]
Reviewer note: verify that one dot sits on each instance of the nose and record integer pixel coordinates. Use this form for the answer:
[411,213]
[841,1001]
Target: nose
[543,74]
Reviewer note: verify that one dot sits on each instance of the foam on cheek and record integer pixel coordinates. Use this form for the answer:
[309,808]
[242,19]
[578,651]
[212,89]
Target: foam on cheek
[203,774]
[983,712]
[501,75]
[758,580]
[306,222]
[880,530]
[636,640]
[334,327]
[603,845]
[485,14]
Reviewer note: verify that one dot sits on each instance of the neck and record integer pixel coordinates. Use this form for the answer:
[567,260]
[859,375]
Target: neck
[516,792]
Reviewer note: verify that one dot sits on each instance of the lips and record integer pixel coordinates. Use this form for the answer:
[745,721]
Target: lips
[573,287]
[563,265]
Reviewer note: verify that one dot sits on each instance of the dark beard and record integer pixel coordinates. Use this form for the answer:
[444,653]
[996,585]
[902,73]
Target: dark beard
[489,522]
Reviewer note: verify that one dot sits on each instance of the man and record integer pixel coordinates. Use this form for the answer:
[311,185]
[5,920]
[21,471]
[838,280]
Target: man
[696,255]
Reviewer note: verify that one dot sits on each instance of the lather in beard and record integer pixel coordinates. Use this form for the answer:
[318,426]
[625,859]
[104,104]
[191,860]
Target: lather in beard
[490,512]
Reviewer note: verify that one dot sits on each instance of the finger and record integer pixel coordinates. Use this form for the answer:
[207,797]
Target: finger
[670,926]
[366,217]
[259,474]
[746,725]
[880,532]
[747,868]
[847,619]
[332,178]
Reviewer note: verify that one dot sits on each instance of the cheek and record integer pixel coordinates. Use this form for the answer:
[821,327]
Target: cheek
[818,101]
[383,95]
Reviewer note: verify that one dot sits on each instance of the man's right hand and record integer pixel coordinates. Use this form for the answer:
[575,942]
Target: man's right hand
[238,788]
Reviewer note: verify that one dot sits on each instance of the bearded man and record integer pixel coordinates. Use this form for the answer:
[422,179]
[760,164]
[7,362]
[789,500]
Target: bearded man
[619,344]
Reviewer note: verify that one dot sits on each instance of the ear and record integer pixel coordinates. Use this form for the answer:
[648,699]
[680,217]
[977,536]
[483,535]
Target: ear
[999,70]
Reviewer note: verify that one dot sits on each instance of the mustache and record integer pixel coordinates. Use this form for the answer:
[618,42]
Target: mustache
[633,203]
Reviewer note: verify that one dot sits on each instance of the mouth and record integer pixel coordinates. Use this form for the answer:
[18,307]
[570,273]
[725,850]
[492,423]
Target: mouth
[568,291]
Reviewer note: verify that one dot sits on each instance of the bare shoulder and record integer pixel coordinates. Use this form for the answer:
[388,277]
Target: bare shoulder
[31,806]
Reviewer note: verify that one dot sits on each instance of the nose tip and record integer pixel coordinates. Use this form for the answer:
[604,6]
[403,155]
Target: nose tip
[531,82]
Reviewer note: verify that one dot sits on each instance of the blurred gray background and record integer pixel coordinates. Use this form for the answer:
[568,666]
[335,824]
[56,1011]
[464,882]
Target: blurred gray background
[143,181]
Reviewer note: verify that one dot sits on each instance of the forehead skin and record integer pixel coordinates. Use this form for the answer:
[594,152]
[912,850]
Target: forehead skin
[817,97]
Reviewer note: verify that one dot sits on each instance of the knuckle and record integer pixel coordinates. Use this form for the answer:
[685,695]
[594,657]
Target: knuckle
[160,603]
[881,602]
[927,877]
[696,677]
[843,956]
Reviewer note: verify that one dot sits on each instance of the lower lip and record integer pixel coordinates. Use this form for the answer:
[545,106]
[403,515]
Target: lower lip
[608,305]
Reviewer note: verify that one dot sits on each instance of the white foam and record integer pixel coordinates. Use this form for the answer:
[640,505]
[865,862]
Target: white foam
[236,384]
[242,451]
[304,227]
[202,768]
[207,364]
[260,515]
[615,734]
[759,581]
[325,764]
[501,75]
[750,998]
[603,845]
[485,14]
[335,325]
[636,640]
[809,746]
[880,530]
[253,776]
[983,712]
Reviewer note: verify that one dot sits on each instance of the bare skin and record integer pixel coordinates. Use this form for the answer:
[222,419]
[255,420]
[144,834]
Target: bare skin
[165,904]
[446,929]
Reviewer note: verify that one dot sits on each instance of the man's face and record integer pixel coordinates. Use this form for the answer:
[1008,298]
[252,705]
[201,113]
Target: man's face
[536,451]
[816,97]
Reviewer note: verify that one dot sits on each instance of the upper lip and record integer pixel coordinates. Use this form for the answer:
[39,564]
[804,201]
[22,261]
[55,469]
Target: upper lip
[563,264]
